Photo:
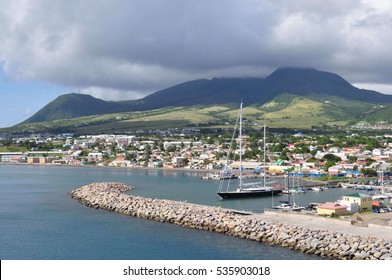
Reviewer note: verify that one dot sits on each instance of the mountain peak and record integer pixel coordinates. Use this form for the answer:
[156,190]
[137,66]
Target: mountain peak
[297,81]
[295,69]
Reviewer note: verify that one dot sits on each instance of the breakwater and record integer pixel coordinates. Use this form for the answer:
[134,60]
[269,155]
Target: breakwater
[333,245]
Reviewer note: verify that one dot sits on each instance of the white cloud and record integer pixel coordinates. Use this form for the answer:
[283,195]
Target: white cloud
[383,88]
[126,49]
[113,94]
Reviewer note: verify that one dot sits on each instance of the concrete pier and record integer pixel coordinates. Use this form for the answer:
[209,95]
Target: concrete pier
[328,243]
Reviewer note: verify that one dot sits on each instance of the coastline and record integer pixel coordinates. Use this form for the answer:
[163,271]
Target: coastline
[108,167]
[307,238]
[201,171]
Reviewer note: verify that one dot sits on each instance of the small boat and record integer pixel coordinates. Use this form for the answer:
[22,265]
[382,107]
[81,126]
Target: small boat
[380,196]
[298,190]
[285,205]
[317,189]
[286,191]
[222,175]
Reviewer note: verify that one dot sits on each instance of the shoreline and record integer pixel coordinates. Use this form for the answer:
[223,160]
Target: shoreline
[201,171]
[108,167]
[307,238]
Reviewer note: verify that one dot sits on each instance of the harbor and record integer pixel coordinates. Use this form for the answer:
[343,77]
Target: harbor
[37,209]
[309,238]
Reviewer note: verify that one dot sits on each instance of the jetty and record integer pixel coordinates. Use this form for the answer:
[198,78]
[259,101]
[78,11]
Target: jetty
[325,242]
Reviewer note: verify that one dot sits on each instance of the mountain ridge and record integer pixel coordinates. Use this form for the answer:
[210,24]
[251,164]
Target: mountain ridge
[298,81]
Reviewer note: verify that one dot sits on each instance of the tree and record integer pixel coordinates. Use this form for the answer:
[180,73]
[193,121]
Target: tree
[130,156]
[171,149]
[332,157]
[250,154]
[147,152]
[312,159]
[352,159]
[283,155]
[369,161]
[328,164]
[84,153]
[325,140]
[369,172]
[277,148]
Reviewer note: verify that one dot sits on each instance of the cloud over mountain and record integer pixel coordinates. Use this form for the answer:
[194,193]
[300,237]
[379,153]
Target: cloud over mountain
[127,49]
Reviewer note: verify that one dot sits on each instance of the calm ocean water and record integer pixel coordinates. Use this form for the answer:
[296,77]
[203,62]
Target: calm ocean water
[39,220]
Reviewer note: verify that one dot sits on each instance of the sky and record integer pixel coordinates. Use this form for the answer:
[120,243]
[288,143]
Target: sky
[121,50]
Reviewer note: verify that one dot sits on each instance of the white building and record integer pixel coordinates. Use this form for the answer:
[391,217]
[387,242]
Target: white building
[95,156]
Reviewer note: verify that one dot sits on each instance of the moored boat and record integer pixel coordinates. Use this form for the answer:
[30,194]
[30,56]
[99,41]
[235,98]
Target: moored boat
[317,189]
[255,189]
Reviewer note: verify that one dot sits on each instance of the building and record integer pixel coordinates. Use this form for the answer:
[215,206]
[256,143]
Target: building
[331,208]
[120,161]
[95,156]
[178,144]
[248,165]
[155,164]
[177,161]
[364,201]
[40,160]
[12,157]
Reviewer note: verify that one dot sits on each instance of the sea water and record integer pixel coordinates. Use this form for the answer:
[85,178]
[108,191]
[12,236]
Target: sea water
[40,221]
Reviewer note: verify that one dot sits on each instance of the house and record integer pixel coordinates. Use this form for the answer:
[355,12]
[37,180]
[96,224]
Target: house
[364,201]
[95,156]
[155,164]
[335,170]
[353,174]
[245,165]
[177,161]
[331,208]
[291,147]
[120,161]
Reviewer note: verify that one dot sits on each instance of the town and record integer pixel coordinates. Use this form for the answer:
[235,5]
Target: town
[309,155]
[348,159]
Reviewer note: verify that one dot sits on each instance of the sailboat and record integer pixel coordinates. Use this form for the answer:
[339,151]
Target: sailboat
[381,195]
[285,204]
[245,190]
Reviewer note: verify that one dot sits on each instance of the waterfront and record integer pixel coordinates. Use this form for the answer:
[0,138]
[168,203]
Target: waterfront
[39,220]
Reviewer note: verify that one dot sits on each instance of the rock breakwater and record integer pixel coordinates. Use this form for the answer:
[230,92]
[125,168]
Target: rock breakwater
[332,245]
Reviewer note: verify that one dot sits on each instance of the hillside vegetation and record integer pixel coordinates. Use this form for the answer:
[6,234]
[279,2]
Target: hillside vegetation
[282,87]
[284,111]
[288,98]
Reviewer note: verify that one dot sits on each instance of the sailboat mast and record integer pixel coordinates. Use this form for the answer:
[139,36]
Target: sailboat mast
[288,187]
[240,138]
[264,156]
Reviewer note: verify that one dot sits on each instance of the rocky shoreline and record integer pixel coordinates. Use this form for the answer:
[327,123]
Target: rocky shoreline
[329,244]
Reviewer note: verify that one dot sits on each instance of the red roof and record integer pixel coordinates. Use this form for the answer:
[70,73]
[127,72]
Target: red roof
[376,203]
[332,206]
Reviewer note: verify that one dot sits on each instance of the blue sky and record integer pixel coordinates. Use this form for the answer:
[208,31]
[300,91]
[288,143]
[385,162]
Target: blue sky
[121,50]
[24,98]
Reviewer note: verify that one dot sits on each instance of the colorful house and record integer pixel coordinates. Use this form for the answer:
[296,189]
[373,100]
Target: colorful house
[364,201]
[331,208]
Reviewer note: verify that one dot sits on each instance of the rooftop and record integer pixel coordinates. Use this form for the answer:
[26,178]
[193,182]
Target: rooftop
[358,195]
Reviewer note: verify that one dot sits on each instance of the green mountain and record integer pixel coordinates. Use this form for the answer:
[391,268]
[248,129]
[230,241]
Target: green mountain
[307,81]
[73,105]
[315,85]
